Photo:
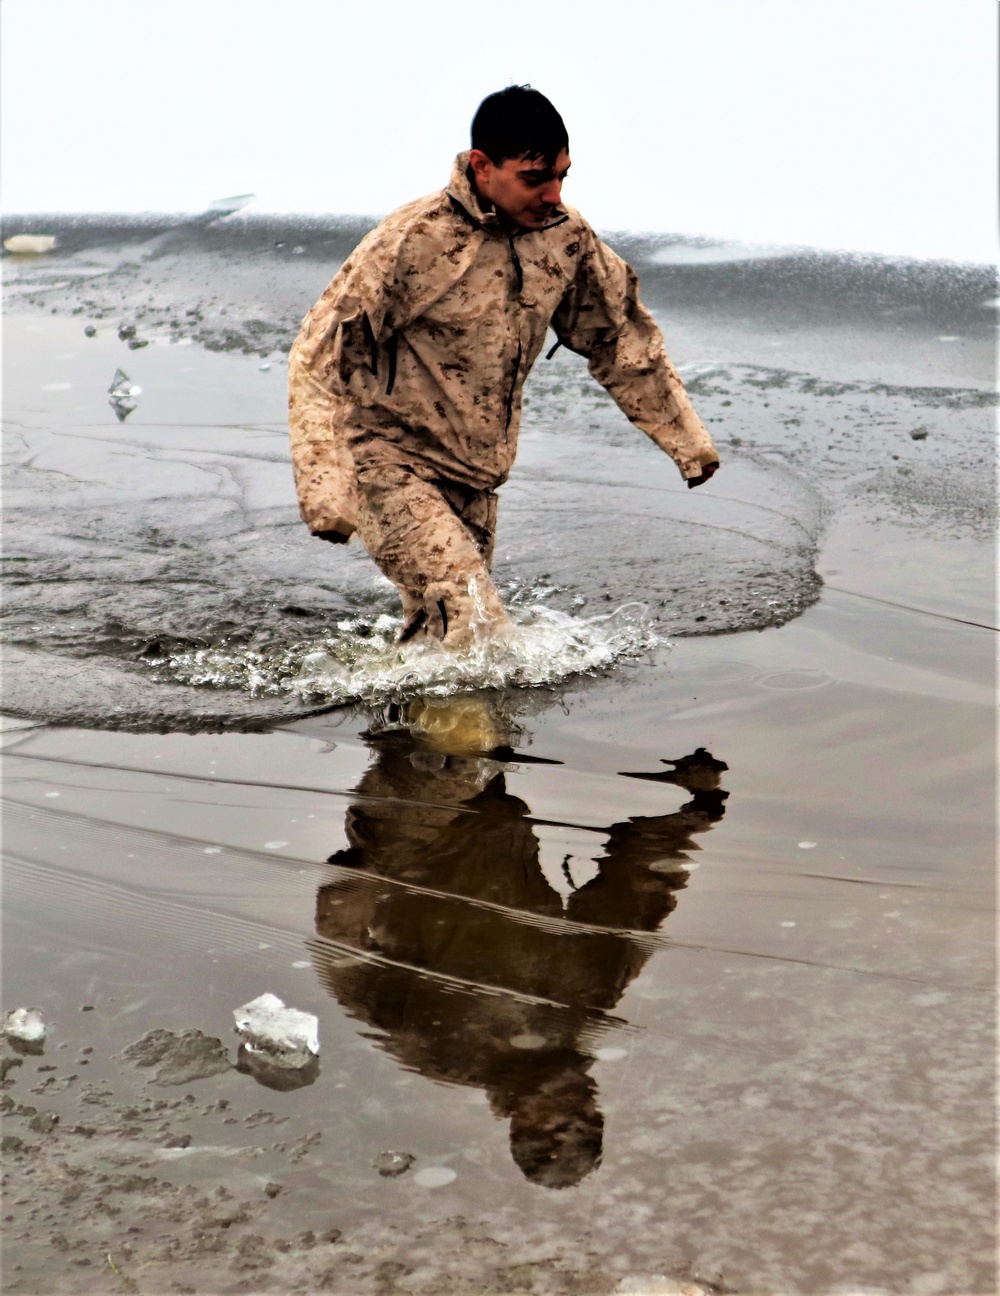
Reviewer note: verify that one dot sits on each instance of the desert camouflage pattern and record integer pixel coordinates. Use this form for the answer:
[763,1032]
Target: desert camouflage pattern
[434,540]
[417,352]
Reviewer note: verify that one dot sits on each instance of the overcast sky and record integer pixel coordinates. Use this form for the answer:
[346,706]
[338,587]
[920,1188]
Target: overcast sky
[864,124]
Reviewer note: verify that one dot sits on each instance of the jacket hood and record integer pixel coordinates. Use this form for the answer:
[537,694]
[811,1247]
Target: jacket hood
[461,192]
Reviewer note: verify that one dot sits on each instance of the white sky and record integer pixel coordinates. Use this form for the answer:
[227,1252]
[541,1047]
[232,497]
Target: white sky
[865,124]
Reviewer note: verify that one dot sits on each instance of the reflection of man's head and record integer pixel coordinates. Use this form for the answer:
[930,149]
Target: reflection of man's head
[557,1130]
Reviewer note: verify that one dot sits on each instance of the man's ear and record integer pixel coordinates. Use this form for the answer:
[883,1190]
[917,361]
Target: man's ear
[482,166]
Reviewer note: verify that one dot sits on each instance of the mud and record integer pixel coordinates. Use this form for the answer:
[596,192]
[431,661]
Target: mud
[92,1188]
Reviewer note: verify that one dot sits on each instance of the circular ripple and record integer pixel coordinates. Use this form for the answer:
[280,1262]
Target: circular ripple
[795,679]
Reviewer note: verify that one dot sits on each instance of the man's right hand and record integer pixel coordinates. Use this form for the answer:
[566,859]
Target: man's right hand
[708,470]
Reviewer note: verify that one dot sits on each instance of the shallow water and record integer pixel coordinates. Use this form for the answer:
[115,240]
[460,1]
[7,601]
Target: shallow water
[145,547]
[691,975]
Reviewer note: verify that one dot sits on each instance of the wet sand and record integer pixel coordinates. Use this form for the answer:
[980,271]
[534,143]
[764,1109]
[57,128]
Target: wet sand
[680,976]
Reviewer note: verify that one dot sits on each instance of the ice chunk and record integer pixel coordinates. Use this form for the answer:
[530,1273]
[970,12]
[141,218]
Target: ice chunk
[286,1036]
[24,1025]
[30,244]
[122,387]
[122,395]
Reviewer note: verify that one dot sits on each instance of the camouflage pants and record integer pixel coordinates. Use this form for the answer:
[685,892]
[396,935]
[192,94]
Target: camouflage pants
[434,541]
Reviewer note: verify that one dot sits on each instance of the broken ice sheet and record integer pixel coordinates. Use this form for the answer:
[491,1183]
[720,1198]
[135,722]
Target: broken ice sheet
[286,1036]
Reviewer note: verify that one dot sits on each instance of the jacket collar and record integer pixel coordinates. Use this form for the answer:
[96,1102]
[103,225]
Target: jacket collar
[464,197]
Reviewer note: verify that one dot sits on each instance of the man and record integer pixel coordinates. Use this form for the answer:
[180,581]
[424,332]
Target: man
[405,380]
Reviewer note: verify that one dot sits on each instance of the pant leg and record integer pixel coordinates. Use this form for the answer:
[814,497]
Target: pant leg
[435,543]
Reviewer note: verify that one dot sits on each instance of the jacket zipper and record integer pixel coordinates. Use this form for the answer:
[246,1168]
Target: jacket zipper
[513,388]
[517,363]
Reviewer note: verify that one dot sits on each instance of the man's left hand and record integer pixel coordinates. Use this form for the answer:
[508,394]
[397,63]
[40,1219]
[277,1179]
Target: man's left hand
[707,471]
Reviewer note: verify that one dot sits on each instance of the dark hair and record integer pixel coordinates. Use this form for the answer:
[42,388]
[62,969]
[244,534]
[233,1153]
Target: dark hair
[518,122]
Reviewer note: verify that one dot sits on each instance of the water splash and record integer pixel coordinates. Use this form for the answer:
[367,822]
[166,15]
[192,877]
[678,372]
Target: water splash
[360,660]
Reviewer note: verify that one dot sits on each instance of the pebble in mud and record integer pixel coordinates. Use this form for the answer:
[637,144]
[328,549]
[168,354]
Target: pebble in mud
[392,1164]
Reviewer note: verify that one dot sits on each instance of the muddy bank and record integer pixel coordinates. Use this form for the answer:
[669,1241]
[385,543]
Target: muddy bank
[90,1197]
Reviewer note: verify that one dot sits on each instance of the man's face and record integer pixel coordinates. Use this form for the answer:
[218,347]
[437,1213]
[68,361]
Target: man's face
[525,191]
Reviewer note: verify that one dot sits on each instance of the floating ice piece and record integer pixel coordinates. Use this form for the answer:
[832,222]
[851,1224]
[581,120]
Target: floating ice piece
[806,845]
[122,395]
[30,244]
[24,1025]
[122,387]
[286,1036]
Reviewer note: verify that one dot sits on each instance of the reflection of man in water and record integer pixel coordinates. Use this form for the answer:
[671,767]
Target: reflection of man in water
[477,971]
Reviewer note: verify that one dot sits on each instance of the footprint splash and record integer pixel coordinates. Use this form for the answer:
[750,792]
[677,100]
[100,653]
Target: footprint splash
[360,660]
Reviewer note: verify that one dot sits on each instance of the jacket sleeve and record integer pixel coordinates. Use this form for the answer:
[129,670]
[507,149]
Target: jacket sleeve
[602,318]
[340,335]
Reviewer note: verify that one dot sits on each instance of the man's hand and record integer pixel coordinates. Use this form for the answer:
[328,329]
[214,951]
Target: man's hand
[706,472]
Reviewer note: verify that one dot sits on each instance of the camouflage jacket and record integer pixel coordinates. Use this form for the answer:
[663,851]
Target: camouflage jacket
[418,350]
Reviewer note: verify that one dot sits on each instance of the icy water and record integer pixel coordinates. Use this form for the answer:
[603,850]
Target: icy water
[158,546]
[661,938]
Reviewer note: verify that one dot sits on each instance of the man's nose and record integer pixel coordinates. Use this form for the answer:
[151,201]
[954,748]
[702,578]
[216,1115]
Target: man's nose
[551,192]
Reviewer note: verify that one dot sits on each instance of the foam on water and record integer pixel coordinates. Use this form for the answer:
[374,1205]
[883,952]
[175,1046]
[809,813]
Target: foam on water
[360,661]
